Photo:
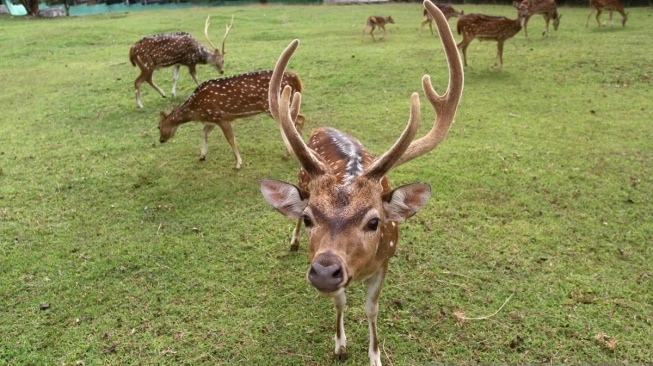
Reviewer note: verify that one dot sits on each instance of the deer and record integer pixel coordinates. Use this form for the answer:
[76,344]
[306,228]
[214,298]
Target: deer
[446,9]
[548,9]
[174,49]
[344,199]
[374,21]
[610,5]
[221,101]
[487,28]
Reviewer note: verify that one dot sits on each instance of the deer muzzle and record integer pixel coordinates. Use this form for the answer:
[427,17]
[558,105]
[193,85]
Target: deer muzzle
[326,274]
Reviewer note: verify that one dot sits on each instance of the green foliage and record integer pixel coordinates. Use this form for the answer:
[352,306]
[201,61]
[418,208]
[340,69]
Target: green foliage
[144,255]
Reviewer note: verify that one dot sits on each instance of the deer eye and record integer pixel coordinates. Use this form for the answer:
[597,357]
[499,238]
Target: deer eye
[307,221]
[373,224]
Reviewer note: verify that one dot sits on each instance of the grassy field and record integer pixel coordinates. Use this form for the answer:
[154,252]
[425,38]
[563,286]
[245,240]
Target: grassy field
[118,250]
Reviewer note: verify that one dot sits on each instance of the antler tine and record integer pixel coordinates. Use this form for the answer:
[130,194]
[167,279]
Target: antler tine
[226,33]
[282,113]
[382,165]
[445,106]
[206,32]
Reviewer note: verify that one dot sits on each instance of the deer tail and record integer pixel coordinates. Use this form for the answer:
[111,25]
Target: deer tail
[132,57]
[300,86]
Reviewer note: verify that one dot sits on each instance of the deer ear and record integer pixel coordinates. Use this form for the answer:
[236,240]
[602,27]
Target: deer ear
[405,201]
[285,197]
[163,115]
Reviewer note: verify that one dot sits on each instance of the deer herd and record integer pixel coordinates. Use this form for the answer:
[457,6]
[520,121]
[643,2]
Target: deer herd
[343,198]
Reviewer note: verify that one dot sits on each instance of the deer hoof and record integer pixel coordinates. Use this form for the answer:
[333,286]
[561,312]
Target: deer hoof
[342,355]
[202,158]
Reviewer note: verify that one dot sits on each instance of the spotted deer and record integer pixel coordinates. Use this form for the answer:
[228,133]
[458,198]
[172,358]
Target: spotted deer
[377,21]
[548,9]
[174,49]
[219,102]
[610,5]
[486,28]
[446,9]
[344,198]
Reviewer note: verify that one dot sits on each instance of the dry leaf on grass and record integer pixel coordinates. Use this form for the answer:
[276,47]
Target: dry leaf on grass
[606,340]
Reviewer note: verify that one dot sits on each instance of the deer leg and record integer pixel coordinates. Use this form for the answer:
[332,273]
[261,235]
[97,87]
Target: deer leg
[526,26]
[384,31]
[294,242]
[372,32]
[137,87]
[422,26]
[546,26]
[371,310]
[175,77]
[500,53]
[228,132]
[589,16]
[364,31]
[193,73]
[462,46]
[339,302]
[624,17]
[208,127]
[598,13]
[149,80]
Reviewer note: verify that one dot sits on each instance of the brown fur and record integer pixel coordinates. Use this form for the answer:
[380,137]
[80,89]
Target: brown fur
[375,21]
[486,28]
[221,101]
[611,6]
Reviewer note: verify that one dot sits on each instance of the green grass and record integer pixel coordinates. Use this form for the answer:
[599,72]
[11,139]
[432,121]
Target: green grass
[147,256]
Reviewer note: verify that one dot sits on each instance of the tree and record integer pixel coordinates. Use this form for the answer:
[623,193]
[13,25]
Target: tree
[32,7]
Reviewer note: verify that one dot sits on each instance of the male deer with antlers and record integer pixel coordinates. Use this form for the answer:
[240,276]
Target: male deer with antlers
[610,5]
[174,49]
[446,9]
[548,9]
[344,198]
[487,28]
[221,101]
[377,21]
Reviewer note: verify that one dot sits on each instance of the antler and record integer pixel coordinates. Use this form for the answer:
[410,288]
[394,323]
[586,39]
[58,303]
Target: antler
[285,114]
[382,165]
[445,106]
[226,33]
[206,32]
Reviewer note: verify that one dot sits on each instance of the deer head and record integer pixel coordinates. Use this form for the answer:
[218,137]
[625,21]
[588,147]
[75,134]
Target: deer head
[217,56]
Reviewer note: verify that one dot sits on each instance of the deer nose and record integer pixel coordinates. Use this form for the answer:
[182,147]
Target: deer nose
[325,278]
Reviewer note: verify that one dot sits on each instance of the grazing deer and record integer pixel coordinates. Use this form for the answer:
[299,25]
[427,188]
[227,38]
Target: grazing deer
[610,5]
[377,21]
[344,196]
[174,49]
[548,9]
[446,9]
[219,102]
[486,28]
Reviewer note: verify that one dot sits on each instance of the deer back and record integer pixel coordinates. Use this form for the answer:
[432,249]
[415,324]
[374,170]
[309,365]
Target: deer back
[447,10]
[226,99]
[528,8]
[379,20]
[611,5]
[167,49]
[487,27]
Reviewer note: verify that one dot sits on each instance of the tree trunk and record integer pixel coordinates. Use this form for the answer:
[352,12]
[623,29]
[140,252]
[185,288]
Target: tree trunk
[31,6]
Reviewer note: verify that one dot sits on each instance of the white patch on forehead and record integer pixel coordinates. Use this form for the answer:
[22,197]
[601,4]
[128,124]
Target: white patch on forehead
[352,153]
